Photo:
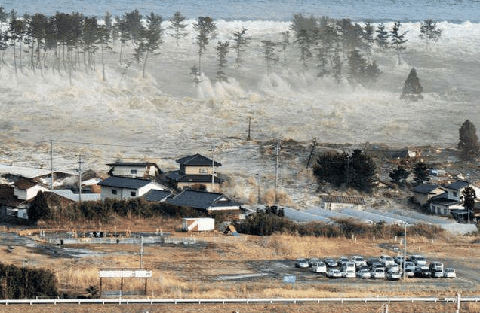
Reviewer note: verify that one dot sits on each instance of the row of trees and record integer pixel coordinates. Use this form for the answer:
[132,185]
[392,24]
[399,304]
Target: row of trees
[333,46]
[356,170]
[26,283]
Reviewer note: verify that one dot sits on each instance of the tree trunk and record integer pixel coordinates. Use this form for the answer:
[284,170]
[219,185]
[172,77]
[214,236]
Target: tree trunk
[145,63]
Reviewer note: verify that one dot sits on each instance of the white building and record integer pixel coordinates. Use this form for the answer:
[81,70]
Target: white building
[198,224]
[134,170]
[25,189]
[121,188]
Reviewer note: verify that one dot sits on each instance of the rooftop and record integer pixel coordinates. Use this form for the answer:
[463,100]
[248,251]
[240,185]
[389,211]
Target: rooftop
[197,160]
[122,182]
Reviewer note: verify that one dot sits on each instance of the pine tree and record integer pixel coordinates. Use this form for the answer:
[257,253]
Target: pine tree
[206,30]
[356,65]
[399,175]
[411,88]
[270,54]
[468,143]
[421,173]
[368,37]
[240,42]
[178,26]
[469,200]
[398,40]
[429,31]
[222,52]
[38,209]
[382,36]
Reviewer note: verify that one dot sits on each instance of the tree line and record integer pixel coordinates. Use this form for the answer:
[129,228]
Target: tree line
[26,283]
[72,41]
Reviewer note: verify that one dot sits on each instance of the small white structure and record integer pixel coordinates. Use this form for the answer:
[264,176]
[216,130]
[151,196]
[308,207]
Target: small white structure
[26,189]
[198,224]
[333,203]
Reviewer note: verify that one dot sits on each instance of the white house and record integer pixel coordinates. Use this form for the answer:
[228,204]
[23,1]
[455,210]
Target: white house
[134,170]
[122,188]
[26,189]
[455,190]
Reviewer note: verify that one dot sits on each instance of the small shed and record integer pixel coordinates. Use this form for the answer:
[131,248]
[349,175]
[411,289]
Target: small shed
[198,224]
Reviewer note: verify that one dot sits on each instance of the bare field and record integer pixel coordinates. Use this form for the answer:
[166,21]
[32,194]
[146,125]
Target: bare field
[250,267]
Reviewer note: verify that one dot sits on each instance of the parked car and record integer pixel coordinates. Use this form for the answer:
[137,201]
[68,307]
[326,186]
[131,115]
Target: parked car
[311,261]
[449,273]
[394,274]
[399,259]
[359,261]
[319,267]
[330,262]
[364,273]
[378,273]
[422,271]
[301,263]
[342,259]
[409,271]
[418,260]
[436,266]
[334,273]
[409,264]
[387,260]
[347,266]
[395,268]
[436,273]
[348,273]
[374,262]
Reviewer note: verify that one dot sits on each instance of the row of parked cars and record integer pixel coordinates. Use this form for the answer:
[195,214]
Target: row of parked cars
[378,268]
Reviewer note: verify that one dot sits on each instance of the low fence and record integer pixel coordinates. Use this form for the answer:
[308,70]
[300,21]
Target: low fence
[456,300]
[131,240]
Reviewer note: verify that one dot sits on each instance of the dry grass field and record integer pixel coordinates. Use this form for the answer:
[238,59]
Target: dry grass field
[192,271]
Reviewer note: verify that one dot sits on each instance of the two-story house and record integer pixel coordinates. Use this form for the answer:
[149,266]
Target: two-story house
[196,171]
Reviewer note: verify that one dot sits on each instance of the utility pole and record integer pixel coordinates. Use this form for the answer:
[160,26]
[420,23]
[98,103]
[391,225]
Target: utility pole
[249,138]
[314,143]
[51,165]
[80,178]
[141,252]
[258,184]
[404,251]
[213,169]
[277,148]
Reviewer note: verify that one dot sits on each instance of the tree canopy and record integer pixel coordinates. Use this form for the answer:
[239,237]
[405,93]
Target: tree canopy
[468,143]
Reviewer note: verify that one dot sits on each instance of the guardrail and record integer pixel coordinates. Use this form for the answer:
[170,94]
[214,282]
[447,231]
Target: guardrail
[239,301]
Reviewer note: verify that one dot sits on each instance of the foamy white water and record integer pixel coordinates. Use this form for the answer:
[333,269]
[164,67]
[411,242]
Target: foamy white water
[165,115]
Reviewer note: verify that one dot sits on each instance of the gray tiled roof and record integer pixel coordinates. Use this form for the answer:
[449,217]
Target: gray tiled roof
[425,188]
[132,164]
[198,199]
[156,195]
[459,184]
[122,182]
[196,160]
[344,199]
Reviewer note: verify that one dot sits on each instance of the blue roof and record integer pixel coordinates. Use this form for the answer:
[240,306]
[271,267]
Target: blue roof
[425,188]
[123,182]
[459,184]
[200,199]
[197,160]
[156,195]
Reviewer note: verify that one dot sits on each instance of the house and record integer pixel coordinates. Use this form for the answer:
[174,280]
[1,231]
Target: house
[442,205]
[157,195]
[145,170]
[121,188]
[424,192]
[342,202]
[208,202]
[455,189]
[26,189]
[196,170]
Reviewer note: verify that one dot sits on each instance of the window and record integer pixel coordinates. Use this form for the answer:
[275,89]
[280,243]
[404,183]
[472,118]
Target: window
[133,171]
[133,194]
[114,191]
[454,193]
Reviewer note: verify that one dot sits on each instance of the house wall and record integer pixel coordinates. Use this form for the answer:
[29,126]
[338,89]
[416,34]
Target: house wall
[28,193]
[224,208]
[422,198]
[141,171]
[198,170]
[183,185]
[332,206]
[126,193]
